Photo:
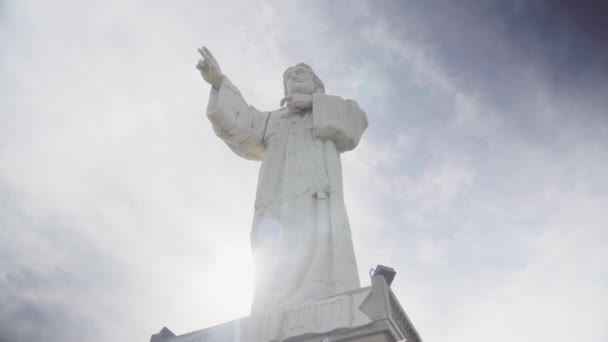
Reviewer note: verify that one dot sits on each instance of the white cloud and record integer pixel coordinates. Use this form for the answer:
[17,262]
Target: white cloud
[122,213]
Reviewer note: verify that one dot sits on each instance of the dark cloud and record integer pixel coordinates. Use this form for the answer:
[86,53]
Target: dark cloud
[25,318]
[493,44]
[107,231]
[585,20]
[50,276]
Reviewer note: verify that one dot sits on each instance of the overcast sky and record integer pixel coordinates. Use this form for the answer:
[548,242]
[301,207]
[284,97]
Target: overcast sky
[482,178]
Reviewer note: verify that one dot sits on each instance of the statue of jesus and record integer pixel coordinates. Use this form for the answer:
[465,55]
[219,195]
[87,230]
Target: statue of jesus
[301,237]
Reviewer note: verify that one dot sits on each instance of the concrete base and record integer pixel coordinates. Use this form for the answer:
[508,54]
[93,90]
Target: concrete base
[370,314]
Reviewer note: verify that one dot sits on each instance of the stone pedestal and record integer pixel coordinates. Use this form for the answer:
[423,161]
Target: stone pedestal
[370,314]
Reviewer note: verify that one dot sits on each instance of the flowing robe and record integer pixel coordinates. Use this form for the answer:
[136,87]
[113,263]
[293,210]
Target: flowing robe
[301,237]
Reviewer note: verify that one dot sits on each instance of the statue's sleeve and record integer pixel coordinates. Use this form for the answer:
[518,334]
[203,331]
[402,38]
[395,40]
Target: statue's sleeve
[339,120]
[239,125]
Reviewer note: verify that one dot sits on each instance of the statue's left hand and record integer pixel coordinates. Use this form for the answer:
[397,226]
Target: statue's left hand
[297,102]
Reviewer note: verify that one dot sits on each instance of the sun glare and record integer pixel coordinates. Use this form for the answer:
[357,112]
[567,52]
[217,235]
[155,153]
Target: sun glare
[229,280]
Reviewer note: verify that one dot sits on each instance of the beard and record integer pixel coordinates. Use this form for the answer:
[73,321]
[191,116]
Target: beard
[305,88]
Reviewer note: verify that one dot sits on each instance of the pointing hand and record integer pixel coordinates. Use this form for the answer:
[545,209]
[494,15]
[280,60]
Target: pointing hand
[209,68]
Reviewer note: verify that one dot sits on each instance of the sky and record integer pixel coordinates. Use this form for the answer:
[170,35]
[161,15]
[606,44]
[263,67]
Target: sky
[482,178]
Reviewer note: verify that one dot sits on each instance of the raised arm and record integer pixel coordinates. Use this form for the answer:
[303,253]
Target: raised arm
[239,125]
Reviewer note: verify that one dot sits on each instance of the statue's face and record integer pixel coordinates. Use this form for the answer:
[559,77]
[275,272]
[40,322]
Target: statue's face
[299,80]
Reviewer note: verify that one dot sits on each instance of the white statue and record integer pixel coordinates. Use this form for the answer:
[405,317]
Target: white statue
[301,237]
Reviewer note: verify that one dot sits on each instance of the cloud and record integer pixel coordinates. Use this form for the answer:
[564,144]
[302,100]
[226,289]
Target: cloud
[476,189]
[481,178]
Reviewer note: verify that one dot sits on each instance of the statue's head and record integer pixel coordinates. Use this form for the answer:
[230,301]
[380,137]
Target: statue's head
[301,79]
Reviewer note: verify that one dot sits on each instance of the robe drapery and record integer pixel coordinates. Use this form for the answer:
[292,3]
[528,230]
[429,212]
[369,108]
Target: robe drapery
[301,237]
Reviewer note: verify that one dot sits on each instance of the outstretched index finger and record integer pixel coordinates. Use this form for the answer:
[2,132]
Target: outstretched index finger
[202,53]
[208,52]
[210,58]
